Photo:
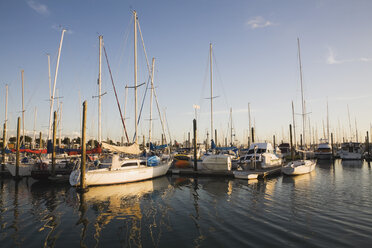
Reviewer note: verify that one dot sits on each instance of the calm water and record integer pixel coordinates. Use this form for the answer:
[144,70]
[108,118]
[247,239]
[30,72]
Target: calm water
[331,207]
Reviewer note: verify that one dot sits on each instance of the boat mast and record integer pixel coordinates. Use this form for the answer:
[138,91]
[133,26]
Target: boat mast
[327,123]
[60,125]
[6,112]
[302,93]
[50,79]
[250,125]
[135,74]
[99,88]
[294,126]
[211,76]
[231,127]
[23,111]
[356,131]
[151,95]
[34,141]
[54,84]
[348,113]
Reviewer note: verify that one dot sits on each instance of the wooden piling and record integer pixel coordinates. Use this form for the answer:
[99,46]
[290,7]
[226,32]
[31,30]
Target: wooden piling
[333,154]
[188,140]
[40,141]
[274,141]
[83,148]
[17,147]
[252,134]
[4,146]
[291,140]
[53,172]
[215,137]
[195,146]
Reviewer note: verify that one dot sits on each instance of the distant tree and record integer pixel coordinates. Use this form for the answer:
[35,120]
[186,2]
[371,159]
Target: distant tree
[12,139]
[66,141]
[76,140]
[95,143]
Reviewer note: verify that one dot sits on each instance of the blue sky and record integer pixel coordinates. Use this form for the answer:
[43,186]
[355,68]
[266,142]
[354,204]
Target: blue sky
[255,60]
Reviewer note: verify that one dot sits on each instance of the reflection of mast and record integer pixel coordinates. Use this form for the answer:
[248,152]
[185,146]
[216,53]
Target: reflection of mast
[15,215]
[196,218]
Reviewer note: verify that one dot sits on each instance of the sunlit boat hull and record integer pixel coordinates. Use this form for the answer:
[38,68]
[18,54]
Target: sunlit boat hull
[106,176]
[298,167]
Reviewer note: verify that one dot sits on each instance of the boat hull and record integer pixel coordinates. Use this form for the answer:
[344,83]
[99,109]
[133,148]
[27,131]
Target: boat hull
[24,169]
[217,163]
[123,175]
[298,167]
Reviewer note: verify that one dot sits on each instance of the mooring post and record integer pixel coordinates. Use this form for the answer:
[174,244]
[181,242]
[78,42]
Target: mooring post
[274,141]
[333,154]
[4,146]
[53,173]
[83,148]
[195,146]
[291,140]
[215,137]
[40,141]
[17,147]
[252,134]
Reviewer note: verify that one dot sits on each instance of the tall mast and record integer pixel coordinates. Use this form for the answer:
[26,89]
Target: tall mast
[348,113]
[6,113]
[231,127]
[34,138]
[60,124]
[211,76]
[49,79]
[54,85]
[125,106]
[294,126]
[356,131]
[23,111]
[250,125]
[135,74]
[327,123]
[99,88]
[6,103]
[152,92]
[80,115]
[302,93]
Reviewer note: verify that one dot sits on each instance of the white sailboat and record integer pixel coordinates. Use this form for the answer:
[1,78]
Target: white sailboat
[302,166]
[219,162]
[124,170]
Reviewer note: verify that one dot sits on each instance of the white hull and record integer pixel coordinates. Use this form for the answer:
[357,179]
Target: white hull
[24,169]
[298,167]
[121,175]
[217,163]
[245,175]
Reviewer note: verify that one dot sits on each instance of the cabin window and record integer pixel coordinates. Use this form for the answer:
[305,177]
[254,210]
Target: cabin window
[130,164]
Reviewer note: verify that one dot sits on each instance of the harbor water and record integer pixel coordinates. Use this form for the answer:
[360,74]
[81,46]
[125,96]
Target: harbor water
[330,207]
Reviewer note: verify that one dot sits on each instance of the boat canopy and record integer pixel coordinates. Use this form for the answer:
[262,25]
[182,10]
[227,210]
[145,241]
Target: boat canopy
[153,148]
[132,149]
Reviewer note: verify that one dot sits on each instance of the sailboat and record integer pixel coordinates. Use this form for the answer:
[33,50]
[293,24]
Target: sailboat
[215,161]
[124,170]
[303,166]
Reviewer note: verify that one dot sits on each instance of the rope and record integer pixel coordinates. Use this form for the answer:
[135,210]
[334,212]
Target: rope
[143,101]
[117,100]
[156,98]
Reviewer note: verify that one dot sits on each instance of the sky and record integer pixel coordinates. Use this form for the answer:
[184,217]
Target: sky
[255,60]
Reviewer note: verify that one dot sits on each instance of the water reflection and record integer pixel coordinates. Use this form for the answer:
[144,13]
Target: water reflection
[121,204]
[352,163]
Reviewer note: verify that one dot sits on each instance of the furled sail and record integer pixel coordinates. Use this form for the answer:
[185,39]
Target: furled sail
[132,149]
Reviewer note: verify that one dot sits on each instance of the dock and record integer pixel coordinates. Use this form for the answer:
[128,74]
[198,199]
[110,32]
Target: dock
[248,174]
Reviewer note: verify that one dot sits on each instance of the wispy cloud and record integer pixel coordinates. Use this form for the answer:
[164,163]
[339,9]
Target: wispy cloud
[259,22]
[59,28]
[331,59]
[38,7]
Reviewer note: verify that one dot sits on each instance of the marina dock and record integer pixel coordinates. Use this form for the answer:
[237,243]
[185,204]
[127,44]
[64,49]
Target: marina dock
[261,173]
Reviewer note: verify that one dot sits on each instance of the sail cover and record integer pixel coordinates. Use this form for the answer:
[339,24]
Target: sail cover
[132,149]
